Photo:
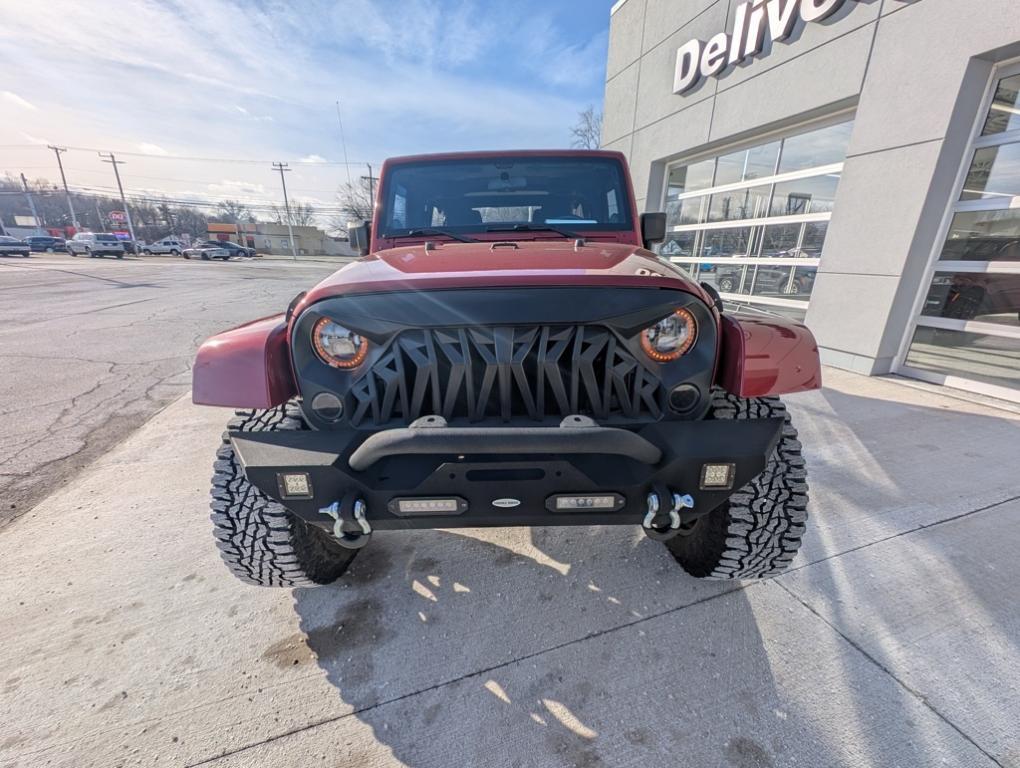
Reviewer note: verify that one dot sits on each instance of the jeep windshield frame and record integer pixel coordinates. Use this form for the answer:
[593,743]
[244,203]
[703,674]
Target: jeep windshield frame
[536,195]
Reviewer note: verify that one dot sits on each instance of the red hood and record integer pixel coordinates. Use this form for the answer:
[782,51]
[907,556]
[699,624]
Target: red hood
[484,265]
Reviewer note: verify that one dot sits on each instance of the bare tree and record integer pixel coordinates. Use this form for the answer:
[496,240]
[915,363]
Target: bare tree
[355,202]
[233,212]
[587,132]
[302,214]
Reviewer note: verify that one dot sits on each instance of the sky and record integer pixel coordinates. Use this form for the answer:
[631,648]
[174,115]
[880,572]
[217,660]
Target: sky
[159,81]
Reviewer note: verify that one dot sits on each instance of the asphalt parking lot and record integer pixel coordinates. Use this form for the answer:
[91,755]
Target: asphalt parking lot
[895,641]
[91,348]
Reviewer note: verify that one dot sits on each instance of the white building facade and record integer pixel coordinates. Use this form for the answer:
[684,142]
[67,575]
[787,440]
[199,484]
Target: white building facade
[853,164]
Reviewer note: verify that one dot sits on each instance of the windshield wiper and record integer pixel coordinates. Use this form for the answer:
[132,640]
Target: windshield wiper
[435,231]
[534,228]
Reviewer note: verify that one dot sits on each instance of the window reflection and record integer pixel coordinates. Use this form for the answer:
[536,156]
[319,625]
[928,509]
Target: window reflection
[822,147]
[995,172]
[748,203]
[724,243]
[689,178]
[747,164]
[813,195]
[970,296]
[1004,114]
[690,210]
[978,356]
[983,236]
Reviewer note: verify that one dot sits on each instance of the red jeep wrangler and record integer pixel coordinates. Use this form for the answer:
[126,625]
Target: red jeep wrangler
[507,352]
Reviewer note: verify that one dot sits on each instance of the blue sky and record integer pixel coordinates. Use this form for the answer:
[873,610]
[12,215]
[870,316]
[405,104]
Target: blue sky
[258,80]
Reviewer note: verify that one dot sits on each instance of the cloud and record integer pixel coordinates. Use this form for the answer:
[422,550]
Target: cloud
[313,159]
[250,116]
[15,100]
[236,188]
[152,149]
[35,139]
[260,81]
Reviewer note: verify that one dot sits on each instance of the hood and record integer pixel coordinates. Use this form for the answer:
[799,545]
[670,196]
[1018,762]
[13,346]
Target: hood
[497,264]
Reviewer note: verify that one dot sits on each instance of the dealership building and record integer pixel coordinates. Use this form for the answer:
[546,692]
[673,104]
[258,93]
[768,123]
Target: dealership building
[853,164]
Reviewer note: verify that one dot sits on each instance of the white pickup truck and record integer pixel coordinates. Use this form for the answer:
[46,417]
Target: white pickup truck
[170,245]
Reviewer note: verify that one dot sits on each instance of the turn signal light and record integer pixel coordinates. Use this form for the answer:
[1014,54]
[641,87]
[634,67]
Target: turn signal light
[670,338]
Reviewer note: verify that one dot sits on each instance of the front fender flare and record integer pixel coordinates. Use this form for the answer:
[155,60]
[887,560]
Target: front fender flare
[247,367]
[760,358]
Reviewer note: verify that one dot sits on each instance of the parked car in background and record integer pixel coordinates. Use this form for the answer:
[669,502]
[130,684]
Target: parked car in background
[12,246]
[206,252]
[171,245]
[93,244]
[46,244]
[232,247]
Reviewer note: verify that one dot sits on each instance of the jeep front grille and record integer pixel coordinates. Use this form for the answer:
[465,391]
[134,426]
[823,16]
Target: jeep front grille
[506,374]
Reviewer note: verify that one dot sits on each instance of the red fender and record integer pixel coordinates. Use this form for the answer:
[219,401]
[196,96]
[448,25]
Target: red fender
[247,367]
[767,357]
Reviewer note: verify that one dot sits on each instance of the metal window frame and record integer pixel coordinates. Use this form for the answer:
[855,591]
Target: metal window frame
[757,225]
[956,205]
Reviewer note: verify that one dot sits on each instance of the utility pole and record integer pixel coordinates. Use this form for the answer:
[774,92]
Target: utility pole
[109,158]
[282,168]
[70,206]
[31,204]
[371,185]
[99,216]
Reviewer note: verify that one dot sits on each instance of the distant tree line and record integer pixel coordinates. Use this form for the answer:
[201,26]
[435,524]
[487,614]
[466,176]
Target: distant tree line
[152,219]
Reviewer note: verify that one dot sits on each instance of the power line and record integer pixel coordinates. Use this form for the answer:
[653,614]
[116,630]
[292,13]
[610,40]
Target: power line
[125,153]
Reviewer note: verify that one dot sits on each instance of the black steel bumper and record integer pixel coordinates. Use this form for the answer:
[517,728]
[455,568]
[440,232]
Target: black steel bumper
[480,466]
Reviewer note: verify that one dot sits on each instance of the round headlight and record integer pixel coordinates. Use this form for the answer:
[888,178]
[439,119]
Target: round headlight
[337,346]
[671,337]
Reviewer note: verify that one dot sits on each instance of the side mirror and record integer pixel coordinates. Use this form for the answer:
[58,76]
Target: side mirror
[653,228]
[359,234]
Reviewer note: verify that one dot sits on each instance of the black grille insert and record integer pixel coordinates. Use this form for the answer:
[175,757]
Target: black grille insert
[506,374]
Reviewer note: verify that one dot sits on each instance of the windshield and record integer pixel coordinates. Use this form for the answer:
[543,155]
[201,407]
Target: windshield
[107,239]
[495,194]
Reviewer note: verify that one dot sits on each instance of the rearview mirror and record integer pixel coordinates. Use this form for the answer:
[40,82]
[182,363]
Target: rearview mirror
[653,228]
[359,234]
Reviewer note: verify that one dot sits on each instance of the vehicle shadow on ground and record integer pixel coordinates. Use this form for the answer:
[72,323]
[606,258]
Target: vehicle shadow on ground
[590,646]
[553,646]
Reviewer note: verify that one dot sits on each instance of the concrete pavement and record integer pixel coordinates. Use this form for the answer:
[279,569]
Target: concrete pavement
[894,642]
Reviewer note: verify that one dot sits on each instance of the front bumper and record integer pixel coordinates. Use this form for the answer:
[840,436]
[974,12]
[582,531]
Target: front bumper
[504,476]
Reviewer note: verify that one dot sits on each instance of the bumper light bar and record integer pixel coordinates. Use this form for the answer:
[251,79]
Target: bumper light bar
[603,502]
[409,507]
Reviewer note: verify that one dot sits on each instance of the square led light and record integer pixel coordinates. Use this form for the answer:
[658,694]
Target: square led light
[452,505]
[717,476]
[294,485]
[597,502]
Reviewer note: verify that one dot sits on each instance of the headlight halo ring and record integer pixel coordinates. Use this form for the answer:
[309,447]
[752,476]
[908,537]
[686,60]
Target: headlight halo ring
[652,345]
[343,363]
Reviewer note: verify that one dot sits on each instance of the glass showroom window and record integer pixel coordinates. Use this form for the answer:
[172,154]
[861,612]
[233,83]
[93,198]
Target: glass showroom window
[968,331]
[752,222]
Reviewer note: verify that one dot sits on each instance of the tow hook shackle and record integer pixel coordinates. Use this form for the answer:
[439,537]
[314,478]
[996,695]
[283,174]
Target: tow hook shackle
[662,522]
[350,528]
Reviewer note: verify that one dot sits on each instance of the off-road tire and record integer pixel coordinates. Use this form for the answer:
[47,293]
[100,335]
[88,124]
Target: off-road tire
[757,532]
[260,541]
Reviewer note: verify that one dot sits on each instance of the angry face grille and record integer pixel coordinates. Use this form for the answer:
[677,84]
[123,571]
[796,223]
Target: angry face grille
[506,374]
